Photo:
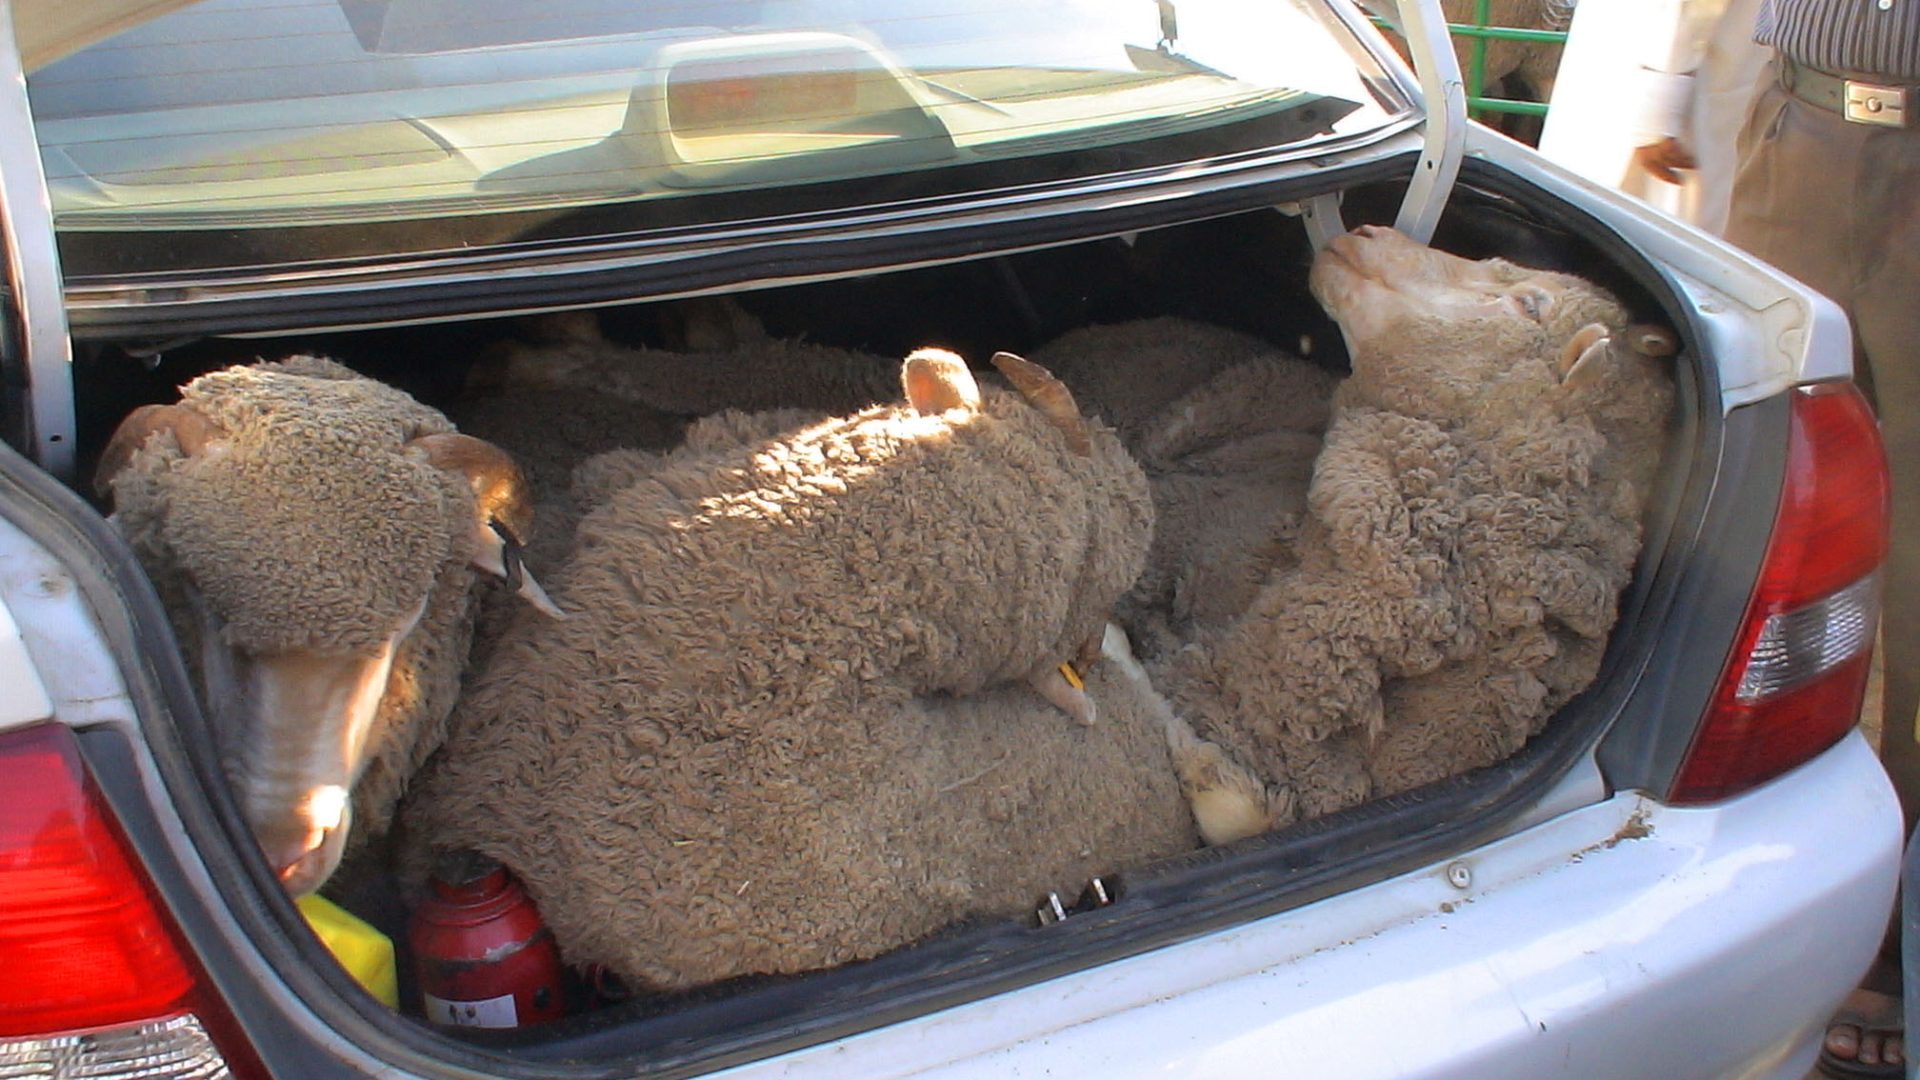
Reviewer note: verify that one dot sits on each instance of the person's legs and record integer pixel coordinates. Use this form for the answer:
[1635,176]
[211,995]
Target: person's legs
[1910,928]
[1886,311]
[1831,203]
[1885,305]
[1725,85]
[1790,202]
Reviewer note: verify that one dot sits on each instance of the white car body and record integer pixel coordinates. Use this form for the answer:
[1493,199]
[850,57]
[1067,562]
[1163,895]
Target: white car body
[1621,939]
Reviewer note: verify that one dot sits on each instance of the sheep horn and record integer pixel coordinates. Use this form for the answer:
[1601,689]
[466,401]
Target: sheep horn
[503,505]
[1049,395]
[191,430]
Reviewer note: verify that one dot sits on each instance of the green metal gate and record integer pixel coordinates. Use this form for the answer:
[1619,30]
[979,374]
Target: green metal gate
[1479,105]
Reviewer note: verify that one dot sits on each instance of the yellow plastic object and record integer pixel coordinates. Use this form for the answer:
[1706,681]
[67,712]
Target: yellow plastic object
[366,953]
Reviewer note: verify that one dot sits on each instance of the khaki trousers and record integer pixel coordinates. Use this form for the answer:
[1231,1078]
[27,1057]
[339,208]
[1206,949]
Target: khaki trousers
[1837,205]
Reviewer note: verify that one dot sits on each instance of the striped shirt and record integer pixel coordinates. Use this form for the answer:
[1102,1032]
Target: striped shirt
[1863,37]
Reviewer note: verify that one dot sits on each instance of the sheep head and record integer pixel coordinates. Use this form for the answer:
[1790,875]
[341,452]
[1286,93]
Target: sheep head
[299,519]
[1041,433]
[1430,333]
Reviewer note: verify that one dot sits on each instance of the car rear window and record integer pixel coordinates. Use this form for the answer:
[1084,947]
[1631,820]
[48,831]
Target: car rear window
[237,133]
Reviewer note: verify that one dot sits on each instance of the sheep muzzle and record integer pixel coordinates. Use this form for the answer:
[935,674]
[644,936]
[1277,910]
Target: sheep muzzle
[301,724]
[1372,279]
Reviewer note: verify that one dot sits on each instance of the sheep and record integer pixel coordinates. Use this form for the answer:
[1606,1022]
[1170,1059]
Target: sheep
[549,430]
[1226,427]
[560,391]
[1533,65]
[1130,374]
[1520,70]
[1472,518]
[315,535]
[722,358]
[734,365]
[792,721]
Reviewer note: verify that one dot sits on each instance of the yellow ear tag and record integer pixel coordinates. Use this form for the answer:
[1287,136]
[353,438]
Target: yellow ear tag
[1072,677]
[366,953]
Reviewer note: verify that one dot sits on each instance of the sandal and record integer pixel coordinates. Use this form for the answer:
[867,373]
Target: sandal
[1877,1018]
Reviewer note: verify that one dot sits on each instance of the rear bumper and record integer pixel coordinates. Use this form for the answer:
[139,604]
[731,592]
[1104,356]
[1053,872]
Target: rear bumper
[1627,939]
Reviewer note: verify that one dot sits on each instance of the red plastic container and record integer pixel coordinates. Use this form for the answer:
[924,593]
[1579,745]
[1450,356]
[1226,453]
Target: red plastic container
[480,951]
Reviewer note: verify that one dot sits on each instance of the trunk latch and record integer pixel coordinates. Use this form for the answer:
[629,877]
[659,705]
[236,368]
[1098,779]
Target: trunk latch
[1052,910]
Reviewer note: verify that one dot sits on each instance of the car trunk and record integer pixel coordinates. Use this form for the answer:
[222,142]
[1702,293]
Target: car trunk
[1245,270]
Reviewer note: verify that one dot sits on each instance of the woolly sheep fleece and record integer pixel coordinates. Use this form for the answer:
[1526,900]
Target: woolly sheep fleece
[1472,518]
[311,530]
[1226,427]
[1224,424]
[728,362]
[785,726]
[560,392]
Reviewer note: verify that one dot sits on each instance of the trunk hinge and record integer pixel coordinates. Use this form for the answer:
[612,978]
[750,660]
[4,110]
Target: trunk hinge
[1424,26]
[33,269]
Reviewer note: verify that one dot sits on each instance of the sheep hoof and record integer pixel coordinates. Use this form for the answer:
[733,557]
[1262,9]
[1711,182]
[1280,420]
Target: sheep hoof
[1226,814]
[1073,700]
[1118,651]
[1229,802]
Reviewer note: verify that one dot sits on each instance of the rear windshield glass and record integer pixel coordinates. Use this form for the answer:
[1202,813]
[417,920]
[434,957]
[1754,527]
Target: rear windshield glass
[242,132]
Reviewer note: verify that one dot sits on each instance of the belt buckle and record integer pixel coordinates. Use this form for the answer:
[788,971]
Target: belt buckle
[1884,106]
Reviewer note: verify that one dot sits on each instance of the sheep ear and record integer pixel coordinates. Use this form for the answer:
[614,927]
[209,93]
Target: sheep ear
[936,380]
[1585,352]
[1650,340]
[191,430]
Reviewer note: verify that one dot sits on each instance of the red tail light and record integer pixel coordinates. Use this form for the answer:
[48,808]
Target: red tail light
[1795,680]
[93,979]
